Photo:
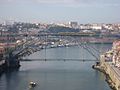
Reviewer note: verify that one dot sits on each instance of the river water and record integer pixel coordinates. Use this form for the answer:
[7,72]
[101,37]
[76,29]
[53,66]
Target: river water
[57,75]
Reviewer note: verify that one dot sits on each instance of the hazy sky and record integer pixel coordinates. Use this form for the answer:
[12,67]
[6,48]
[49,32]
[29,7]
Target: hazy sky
[83,11]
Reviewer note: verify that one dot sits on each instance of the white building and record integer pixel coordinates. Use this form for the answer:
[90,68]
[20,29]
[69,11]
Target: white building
[85,27]
[96,26]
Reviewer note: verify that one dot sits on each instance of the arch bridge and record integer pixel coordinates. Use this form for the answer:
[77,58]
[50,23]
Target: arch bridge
[37,43]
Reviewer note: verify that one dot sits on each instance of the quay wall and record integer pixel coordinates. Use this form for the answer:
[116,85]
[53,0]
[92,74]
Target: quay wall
[112,76]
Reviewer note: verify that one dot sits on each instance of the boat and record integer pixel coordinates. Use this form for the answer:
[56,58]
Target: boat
[32,84]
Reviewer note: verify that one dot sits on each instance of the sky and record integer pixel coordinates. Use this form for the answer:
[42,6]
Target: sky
[82,11]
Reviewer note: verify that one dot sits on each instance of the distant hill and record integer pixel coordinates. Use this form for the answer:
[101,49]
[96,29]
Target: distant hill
[59,29]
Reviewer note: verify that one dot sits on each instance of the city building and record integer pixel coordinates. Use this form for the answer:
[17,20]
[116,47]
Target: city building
[2,51]
[73,24]
[96,26]
[85,26]
[116,53]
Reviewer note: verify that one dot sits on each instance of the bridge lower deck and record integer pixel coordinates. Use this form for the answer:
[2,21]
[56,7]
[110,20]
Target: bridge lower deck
[59,60]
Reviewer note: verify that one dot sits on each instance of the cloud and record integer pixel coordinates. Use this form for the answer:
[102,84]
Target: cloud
[56,1]
[70,3]
[7,1]
[67,1]
[77,3]
[39,1]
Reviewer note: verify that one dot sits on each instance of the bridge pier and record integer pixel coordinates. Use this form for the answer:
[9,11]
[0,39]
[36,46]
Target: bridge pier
[13,64]
[2,66]
[12,61]
[9,65]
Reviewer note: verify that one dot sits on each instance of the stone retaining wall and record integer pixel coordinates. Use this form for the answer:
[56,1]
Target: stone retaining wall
[111,72]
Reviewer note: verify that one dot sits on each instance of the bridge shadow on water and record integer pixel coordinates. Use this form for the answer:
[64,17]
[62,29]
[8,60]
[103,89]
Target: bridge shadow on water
[9,71]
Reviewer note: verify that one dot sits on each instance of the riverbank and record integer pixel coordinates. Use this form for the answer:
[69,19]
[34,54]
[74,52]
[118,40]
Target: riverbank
[111,72]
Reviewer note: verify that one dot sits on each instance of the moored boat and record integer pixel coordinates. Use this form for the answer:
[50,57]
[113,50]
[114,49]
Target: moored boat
[32,84]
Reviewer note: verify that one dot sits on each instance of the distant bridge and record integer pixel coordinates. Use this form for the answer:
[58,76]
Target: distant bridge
[27,49]
[31,46]
[82,60]
[69,34]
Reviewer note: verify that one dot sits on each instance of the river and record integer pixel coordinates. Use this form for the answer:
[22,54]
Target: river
[57,75]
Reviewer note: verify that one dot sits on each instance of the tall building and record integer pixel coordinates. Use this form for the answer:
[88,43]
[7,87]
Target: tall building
[73,24]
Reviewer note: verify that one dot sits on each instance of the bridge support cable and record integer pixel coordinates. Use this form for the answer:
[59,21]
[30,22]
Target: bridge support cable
[88,49]
[92,49]
[46,36]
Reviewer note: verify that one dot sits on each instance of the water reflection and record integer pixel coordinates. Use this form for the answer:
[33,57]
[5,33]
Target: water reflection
[56,75]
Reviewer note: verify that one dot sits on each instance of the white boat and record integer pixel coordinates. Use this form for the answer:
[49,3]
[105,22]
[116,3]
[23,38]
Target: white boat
[32,84]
